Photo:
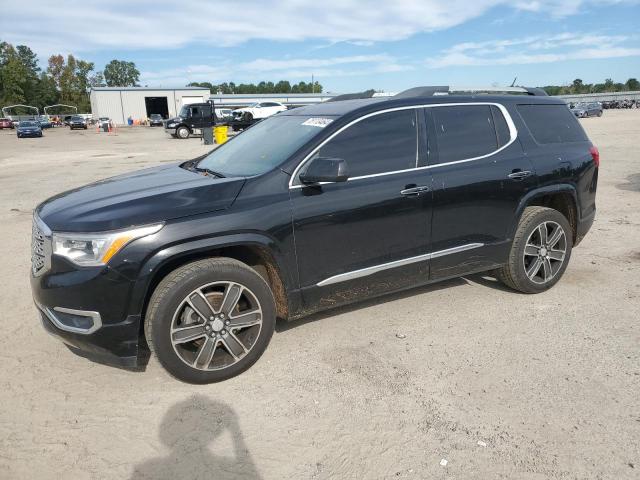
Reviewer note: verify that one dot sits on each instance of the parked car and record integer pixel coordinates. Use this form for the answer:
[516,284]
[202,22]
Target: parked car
[583,110]
[155,119]
[258,111]
[191,120]
[224,114]
[77,122]
[310,209]
[5,123]
[44,121]
[29,128]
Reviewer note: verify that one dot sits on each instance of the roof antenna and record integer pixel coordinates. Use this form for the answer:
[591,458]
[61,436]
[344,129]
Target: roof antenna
[513,84]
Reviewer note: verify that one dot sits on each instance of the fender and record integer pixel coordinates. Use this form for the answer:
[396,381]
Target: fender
[539,192]
[154,264]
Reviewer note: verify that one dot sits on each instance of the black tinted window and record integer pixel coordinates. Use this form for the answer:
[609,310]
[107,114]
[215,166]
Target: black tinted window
[502,129]
[383,143]
[464,132]
[552,123]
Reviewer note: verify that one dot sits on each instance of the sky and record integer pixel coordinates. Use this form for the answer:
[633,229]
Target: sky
[346,45]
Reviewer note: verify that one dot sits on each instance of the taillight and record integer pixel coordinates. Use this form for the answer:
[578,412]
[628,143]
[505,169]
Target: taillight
[595,154]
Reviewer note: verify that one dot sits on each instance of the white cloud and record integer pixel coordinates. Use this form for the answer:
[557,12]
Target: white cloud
[537,49]
[291,69]
[89,25]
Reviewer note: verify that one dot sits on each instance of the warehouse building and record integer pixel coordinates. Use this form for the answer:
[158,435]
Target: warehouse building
[138,103]
[236,100]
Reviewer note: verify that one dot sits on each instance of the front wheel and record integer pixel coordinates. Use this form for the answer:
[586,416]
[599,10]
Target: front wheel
[182,132]
[210,320]
[540,251]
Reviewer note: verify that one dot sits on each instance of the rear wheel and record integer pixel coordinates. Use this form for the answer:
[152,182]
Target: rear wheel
[210,320]
[540,251]
[182,132]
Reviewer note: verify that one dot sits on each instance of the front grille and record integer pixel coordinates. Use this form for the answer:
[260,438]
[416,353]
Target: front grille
[39,254]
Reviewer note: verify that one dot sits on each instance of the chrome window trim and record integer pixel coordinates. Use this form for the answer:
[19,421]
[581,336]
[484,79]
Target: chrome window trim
[513,131]
[363,272]
[50,313]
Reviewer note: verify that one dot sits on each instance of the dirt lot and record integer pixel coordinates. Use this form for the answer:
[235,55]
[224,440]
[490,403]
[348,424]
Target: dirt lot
[499,384]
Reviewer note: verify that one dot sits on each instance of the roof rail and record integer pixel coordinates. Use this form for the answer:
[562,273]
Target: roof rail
[352,96]
[447,90]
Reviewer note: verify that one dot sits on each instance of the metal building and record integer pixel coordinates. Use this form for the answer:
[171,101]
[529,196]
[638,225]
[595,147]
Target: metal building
[236,100]
[120,103]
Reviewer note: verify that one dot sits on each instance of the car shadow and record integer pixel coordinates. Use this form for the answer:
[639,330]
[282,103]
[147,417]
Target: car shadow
[484,279]
[188,430]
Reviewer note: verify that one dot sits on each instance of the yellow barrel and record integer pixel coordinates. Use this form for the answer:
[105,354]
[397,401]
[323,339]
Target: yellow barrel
[220,133]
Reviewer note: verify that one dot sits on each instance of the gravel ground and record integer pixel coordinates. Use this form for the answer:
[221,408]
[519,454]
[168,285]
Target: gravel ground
[463,379]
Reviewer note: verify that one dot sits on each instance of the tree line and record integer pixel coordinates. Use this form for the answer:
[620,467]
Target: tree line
[578,86]
[282,86]
[64,80]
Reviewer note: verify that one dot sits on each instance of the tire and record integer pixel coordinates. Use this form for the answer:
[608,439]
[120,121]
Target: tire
[180,332]
[182,133]
[542,264]
[247,117]
[599,114]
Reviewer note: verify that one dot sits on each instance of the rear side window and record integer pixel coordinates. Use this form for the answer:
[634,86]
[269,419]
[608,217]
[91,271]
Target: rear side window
[464,131]
[382,143]
[552,123]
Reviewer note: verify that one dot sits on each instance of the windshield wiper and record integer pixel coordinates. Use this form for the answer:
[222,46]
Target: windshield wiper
[208,171]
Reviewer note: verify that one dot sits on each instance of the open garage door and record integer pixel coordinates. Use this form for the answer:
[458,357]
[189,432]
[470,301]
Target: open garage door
[157,105]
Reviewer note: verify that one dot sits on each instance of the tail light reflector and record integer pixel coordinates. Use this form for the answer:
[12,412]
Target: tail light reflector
[595,154]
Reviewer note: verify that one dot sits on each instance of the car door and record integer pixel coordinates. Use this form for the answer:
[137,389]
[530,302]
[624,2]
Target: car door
[370,234]
[480,174]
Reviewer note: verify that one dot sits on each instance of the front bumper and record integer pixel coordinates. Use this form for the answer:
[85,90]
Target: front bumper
[29,134]
[170,131]
[87,308]
[115,344]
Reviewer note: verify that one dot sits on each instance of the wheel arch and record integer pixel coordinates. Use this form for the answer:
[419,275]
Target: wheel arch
[256,252]
[562,197]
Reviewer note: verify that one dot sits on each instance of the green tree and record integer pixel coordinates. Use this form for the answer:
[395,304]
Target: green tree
[12,75]
[46,92]
[119,73]
[632,84]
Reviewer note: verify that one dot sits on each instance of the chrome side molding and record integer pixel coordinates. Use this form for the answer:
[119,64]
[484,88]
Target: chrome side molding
[363,272]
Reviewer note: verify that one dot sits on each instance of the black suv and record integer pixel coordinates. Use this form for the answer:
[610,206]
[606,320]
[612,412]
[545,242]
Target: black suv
[310,209]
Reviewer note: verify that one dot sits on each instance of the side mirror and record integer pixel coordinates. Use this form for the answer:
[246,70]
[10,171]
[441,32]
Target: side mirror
[325,170]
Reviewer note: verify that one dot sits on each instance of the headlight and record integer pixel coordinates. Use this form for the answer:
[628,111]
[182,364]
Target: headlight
[94,249]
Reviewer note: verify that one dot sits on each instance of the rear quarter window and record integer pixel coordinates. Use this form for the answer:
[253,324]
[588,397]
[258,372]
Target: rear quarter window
[552,123]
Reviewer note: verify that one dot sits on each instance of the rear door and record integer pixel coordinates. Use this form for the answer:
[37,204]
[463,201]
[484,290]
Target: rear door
[368,235]
[479,176]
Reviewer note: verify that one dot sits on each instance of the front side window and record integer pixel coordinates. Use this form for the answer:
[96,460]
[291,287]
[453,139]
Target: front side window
[464,132]
[386,142]
[264,146]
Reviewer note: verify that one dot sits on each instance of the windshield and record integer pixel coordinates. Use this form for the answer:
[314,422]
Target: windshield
[184,111]
[155,115]
[28,124]
[263,146]
[76,119]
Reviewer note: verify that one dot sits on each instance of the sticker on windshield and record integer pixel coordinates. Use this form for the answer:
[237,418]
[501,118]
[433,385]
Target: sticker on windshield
[317,122]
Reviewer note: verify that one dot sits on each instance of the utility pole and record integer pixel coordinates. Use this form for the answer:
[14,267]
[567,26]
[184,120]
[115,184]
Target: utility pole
[313,86]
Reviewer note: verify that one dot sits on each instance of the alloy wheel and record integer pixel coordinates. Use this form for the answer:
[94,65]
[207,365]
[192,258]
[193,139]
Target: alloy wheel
[216,325]
[545,252]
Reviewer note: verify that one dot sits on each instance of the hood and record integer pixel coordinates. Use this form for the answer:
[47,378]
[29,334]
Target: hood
[143,197]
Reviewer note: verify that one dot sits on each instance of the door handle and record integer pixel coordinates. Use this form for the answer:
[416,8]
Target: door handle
[517,175]
[414,191]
